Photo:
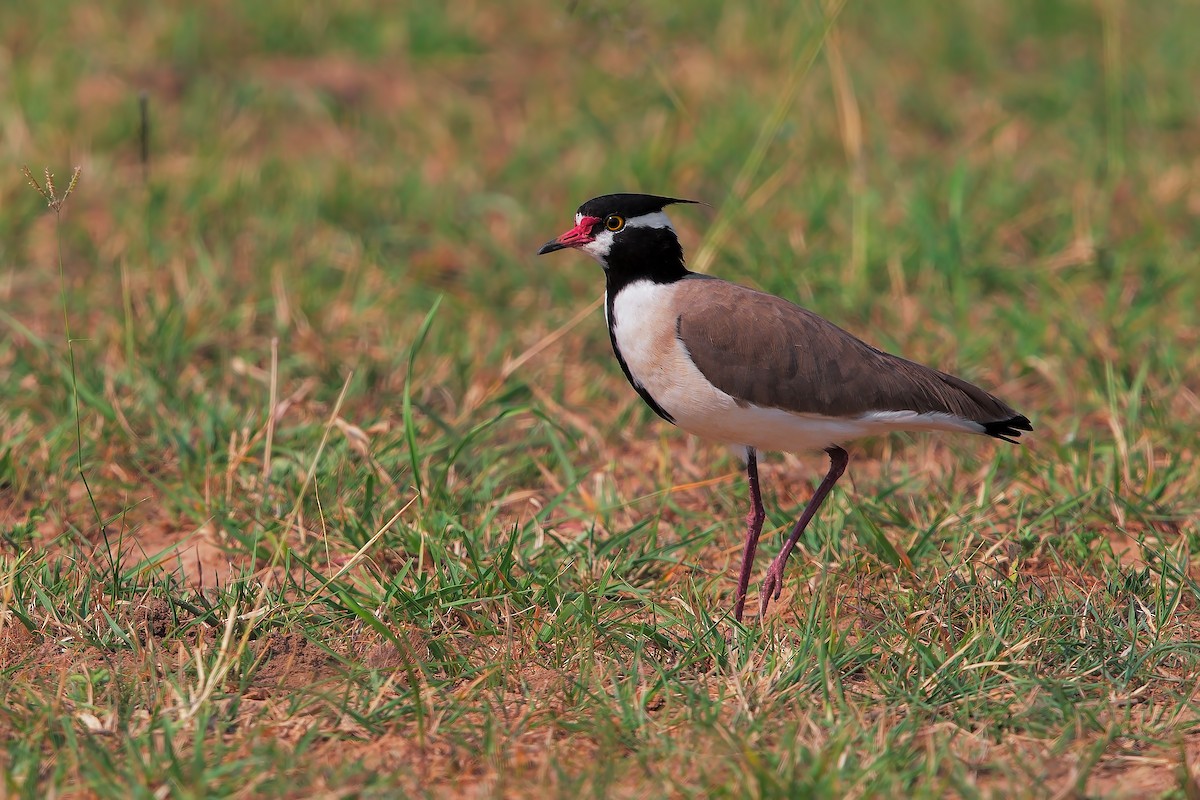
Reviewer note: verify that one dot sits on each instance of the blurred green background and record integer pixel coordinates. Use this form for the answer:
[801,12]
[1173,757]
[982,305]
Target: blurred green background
[1010,191]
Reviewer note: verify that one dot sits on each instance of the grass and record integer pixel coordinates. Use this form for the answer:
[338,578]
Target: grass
[379,514]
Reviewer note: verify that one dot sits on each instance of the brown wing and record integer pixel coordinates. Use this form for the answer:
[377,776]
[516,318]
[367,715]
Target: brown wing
[761,349]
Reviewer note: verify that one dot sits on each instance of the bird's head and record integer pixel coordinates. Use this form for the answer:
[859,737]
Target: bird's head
[622,229]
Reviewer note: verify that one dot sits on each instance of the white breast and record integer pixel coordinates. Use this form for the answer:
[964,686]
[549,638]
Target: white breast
[644,318]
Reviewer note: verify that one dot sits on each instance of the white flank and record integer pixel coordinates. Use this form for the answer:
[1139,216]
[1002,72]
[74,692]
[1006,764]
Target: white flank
[645,333]
[929,421]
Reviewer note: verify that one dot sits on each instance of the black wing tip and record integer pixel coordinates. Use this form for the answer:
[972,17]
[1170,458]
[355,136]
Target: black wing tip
[1008,429]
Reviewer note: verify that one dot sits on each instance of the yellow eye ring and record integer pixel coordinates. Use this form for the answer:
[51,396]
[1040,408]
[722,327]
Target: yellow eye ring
[614,222]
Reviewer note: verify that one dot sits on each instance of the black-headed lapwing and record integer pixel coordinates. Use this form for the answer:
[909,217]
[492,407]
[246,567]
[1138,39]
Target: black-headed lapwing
[750,369]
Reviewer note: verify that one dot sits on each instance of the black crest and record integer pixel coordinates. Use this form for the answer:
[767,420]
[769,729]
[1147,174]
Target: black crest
[627,204]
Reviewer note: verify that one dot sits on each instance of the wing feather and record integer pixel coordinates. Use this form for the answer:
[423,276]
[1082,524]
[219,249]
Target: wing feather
[763,350]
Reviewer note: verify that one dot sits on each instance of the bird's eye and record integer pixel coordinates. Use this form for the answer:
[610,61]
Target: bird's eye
[614,222]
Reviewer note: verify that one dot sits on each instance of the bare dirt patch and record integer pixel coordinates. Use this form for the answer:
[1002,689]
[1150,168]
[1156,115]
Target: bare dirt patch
[291,661]
[196,555]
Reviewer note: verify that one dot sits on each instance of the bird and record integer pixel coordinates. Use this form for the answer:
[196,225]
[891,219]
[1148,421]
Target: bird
[749,369]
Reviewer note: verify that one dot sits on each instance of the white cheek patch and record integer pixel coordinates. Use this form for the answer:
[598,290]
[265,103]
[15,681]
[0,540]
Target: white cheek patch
[599,247]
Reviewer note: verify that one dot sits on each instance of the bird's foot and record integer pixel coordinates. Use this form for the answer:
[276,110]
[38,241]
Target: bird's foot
[772,585]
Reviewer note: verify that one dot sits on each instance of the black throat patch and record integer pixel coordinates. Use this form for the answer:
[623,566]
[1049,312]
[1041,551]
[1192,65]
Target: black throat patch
[640,254]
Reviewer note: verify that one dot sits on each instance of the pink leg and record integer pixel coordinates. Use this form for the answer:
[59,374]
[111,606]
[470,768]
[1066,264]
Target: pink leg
[754,523]
[773,582]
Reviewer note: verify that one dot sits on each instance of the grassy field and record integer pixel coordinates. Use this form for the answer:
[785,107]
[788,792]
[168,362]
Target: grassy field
[315,482]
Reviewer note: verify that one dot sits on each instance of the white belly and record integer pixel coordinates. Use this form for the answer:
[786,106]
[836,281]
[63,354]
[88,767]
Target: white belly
[645,334]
